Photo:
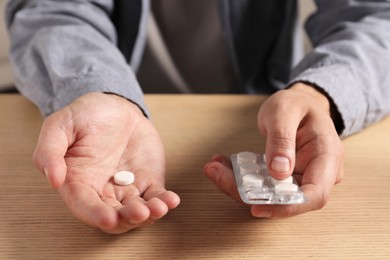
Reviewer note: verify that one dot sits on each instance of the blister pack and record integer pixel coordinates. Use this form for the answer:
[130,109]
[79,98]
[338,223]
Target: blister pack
[256,186]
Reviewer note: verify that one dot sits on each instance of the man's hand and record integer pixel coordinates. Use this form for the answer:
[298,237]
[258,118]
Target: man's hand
[83,145]
[301,139]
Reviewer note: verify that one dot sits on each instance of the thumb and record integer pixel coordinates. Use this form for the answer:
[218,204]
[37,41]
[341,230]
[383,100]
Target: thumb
[280,130]
[50,151]
[280,154]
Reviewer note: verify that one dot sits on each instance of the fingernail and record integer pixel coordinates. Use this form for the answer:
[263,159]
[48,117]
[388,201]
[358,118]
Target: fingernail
[216,158]
[280,164]
[212,172]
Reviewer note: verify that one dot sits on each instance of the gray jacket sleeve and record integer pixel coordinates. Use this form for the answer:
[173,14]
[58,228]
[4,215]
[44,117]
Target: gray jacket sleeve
[351,59]
[61,50]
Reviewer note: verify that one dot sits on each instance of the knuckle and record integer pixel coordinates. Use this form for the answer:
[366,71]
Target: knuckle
[323,200]
[290,211]
[282,139]
[340,176]
[36,160]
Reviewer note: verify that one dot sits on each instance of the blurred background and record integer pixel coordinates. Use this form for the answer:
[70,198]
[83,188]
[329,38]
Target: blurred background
[5,68]
[151,64]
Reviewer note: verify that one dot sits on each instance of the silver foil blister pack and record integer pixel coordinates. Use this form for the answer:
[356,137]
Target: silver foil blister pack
[256,186]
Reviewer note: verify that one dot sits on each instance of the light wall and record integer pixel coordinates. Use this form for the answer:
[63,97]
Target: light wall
[306,7]
[6,79]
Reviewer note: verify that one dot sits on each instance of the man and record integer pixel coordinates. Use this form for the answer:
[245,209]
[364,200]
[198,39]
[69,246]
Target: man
[71,58]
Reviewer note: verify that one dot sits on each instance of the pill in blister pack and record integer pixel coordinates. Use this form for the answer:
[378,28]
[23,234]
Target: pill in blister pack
[256,186]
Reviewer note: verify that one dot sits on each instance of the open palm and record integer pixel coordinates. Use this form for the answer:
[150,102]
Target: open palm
[83,145]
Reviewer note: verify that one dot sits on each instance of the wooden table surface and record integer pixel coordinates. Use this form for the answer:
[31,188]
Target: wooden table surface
[35,224]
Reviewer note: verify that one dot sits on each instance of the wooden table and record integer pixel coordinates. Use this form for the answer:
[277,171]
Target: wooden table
[355,224]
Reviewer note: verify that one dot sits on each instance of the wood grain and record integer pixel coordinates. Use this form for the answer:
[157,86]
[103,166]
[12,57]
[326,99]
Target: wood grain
[34,223]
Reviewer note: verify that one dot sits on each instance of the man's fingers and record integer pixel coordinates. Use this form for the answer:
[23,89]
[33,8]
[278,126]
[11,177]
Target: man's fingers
[87,206]
[317,199]
[222,159]
[135,212]
[317,183]
[279,123]
[222,176]
[108,214]
[280,158]
[157,199]
[50,151]
[156,202]
[171,199]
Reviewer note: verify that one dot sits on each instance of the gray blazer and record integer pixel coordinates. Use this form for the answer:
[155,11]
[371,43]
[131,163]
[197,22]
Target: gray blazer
[61,50]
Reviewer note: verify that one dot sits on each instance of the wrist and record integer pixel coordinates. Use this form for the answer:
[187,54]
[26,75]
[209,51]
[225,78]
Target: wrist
[323,100]
[318,96]
[135,107]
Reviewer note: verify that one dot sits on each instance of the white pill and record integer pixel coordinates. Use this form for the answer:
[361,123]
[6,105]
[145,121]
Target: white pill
[244,157]
[253,179]
[286,187]
[124,178]
[249,168]
[275,182]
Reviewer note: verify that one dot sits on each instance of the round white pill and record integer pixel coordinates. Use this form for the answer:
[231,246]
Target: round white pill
[286,187]
[275,182]
[253,179]
[244,157]
[124,178]
[249,168]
